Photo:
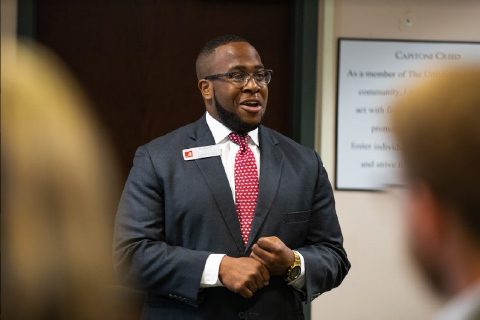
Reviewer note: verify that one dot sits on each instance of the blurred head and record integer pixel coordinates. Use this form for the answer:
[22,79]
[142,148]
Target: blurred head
[438,128]
[221,65]
[57,194]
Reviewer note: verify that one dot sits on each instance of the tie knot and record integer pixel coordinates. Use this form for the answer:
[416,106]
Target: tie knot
[240,138]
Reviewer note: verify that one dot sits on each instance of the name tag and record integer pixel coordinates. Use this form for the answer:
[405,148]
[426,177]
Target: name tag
[201,152]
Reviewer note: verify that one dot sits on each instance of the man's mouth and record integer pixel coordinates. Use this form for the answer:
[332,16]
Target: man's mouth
[251,105]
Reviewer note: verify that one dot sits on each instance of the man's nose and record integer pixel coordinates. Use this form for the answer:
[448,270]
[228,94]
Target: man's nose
[251,85]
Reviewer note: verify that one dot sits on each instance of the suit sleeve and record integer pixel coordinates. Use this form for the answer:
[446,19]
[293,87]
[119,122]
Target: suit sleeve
[142,258]
[326,262]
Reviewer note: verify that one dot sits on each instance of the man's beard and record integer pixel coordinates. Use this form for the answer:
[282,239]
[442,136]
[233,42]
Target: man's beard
[232,120]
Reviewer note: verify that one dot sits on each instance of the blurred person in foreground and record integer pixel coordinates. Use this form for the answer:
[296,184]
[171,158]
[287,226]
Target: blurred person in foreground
[438,128]
[57,188]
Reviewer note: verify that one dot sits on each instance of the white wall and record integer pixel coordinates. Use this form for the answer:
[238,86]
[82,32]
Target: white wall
[383,283]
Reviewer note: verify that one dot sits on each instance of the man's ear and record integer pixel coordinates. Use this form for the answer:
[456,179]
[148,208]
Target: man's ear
[205,87]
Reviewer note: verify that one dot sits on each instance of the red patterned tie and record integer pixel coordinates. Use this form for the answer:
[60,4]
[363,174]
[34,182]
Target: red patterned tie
[246,183]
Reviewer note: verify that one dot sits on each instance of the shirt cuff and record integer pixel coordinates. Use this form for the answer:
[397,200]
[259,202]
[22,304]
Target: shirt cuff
[210,273]
[299,283]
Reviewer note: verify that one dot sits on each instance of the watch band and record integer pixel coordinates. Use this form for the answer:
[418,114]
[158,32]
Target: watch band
[294,270]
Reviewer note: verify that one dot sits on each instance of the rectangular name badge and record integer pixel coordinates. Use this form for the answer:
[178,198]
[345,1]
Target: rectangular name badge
[201,152]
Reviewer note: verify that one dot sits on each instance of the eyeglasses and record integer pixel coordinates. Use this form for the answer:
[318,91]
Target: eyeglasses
[240,79]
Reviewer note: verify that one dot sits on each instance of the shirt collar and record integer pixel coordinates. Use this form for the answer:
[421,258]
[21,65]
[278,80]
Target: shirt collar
[220,131]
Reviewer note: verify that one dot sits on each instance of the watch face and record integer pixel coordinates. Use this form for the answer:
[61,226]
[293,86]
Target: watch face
[295,272]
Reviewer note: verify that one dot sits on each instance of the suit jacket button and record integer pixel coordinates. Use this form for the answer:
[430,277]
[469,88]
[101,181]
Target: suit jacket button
[241,315]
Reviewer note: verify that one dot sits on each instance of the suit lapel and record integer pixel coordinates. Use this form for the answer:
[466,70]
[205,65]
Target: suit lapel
[271,162]
[214,174]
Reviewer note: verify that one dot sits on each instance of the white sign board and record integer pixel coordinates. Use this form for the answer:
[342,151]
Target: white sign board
[371,75]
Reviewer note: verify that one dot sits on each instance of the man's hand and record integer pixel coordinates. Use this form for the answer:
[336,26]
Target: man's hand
[243,275]
[273,254]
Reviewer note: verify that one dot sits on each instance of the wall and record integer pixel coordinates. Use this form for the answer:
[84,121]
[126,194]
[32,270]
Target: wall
[383,283]
[8,18]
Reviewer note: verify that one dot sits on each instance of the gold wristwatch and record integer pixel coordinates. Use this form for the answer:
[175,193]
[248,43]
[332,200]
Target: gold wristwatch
[294,271]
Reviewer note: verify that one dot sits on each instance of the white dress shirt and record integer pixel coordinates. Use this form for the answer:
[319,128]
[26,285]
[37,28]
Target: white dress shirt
[229,150]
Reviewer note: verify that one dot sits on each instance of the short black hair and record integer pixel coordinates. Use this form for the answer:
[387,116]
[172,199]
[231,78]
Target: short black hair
[209,48]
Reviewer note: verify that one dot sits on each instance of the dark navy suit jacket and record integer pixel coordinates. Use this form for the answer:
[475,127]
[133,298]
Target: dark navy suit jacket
[174,213]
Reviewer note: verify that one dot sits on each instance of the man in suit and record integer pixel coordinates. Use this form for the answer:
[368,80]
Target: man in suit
[438,128]
[225,218]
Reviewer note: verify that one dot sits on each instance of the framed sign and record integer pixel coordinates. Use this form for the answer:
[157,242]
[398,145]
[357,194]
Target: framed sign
[371,74]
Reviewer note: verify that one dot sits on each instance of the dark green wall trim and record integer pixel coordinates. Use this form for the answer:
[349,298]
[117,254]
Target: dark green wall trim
[305,71]
[305,79]
[27,19]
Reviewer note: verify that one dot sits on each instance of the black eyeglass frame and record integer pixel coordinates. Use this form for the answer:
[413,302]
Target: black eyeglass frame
[250,76]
